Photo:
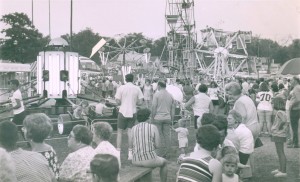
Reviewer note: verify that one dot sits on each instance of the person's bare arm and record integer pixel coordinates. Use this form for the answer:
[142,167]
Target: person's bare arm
[18,101]
[190,102]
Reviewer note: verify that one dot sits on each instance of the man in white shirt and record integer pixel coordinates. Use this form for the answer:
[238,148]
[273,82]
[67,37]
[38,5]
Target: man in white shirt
[17,103]
[128,96]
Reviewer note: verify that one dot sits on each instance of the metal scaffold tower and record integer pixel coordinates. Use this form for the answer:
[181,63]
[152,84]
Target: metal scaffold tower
[181,35]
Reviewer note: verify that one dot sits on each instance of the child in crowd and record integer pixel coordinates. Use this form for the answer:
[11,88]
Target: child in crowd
[81,111]
[230,166]
[231,150]
[98,108]
[183,133]
[279,132]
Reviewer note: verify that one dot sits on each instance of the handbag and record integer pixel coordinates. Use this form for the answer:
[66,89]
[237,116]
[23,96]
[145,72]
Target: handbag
[258,143]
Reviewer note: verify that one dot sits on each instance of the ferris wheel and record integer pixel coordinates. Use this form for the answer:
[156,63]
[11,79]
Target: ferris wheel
[220,45]
[180,34]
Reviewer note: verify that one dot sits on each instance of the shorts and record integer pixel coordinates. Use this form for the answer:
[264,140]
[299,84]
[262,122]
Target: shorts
[124,122]
[215,102]
[278,139]
[152,163]
[183,142]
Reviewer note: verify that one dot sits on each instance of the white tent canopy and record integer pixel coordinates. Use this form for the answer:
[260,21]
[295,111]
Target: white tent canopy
[14,67]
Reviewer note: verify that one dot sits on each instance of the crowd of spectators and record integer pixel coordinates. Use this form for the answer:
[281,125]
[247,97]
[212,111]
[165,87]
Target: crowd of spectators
[225,139]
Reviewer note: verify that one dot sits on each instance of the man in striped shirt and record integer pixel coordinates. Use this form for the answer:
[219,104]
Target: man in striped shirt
[145,139]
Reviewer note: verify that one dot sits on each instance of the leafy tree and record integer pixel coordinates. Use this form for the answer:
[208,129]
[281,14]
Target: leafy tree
[22,40]
[294,49]
[83,43]
[158,48]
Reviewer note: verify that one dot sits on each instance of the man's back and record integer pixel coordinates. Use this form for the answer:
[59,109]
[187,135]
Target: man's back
[129,95]
[31,166]
[163,101]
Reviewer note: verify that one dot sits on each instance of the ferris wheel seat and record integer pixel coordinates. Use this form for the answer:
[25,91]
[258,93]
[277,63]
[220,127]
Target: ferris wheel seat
[172,18]
[186,5]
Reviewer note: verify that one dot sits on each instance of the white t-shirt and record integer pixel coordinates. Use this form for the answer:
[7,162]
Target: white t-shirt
[245,138]
[264,99]
[225,178]
[201,104]
[99,108]
[182,132]
[129,95]
[17,96]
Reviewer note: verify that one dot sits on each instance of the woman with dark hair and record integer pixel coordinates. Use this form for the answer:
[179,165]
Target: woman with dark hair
[78,161]
[188,90]
[283,92]
[264,107]
[105,168]
[37,128]
[274,88]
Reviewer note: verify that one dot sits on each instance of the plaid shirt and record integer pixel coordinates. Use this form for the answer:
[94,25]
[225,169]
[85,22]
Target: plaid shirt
[31,166]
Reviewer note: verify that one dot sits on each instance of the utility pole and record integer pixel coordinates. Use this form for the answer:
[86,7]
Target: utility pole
[71,24]
[32,12]
[49,20]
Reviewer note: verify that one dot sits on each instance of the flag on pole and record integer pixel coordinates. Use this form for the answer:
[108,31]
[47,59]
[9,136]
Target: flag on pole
[97,46]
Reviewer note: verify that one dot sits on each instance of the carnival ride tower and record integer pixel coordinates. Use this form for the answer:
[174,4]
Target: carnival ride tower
[180,34]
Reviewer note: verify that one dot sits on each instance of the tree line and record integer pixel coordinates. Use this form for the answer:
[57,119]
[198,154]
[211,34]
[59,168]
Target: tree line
[23,42]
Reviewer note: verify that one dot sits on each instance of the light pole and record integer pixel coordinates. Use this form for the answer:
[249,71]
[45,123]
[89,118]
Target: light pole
[49,20]
[32,12]
[71,24]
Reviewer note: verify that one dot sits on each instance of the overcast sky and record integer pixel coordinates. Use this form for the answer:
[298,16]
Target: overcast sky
[275,19]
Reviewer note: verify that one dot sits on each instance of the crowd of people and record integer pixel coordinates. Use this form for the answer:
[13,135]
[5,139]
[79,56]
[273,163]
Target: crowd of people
[226,134]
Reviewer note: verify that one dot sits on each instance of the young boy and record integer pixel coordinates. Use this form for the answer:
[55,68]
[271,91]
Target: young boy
[80,111]
[183,133]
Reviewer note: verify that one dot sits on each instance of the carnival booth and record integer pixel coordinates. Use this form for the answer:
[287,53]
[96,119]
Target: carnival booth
[9,71]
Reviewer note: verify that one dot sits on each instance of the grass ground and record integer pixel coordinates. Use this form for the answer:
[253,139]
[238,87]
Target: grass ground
[265,158]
